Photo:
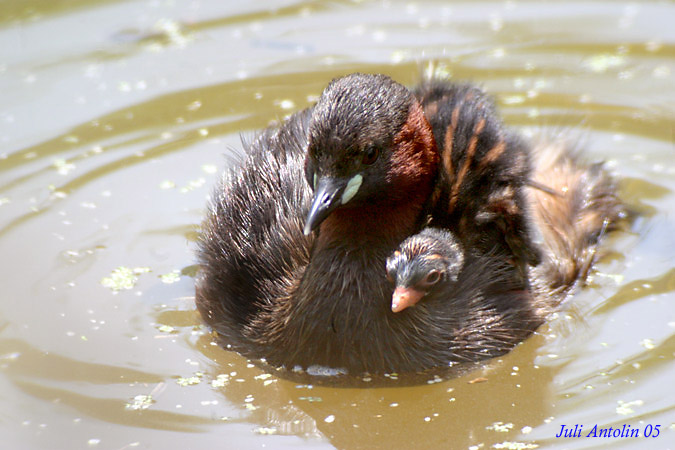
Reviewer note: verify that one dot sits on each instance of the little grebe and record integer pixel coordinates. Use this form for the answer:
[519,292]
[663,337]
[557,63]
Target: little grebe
[362,168]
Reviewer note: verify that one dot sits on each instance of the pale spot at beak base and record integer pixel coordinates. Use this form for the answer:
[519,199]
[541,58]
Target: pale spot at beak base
[352,188]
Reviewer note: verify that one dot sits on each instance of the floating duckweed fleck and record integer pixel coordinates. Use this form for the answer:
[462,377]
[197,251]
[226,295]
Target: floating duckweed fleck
[189,381]
[140,402]
[602,62]
[62,166]
[220,381]
[648,344]
[626,408]
[123,278]
[171,277]
[500,427]
[172,33]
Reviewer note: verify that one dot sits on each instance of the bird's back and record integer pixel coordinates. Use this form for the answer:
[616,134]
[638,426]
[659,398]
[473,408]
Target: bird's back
[252,247]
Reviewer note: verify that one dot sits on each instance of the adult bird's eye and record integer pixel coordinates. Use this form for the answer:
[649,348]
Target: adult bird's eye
[370,155]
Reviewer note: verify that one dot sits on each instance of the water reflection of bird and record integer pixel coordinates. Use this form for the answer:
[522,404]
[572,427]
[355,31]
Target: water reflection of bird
[294,245]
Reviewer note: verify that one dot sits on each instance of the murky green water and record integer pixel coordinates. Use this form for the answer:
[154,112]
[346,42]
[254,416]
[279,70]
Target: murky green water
[114,120]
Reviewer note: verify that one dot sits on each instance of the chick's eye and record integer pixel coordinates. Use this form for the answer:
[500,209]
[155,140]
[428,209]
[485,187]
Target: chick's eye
[370,155]
[432,277]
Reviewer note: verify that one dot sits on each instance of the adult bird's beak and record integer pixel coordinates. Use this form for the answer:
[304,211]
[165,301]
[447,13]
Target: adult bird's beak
[327,197]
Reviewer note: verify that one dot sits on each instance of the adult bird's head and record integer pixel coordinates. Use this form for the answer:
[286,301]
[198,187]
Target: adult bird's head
[369,143]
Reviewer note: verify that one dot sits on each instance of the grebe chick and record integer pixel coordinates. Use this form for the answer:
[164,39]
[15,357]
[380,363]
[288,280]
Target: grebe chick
[429,258]
[470,305]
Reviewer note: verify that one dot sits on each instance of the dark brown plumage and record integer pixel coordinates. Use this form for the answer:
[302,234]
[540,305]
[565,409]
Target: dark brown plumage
[570,218]
[294,245]
[483,173]
[321,299]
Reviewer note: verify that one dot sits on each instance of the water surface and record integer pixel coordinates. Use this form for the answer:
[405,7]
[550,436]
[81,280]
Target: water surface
[118,116]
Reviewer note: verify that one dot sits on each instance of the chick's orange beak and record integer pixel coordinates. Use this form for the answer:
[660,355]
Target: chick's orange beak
[405,297]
